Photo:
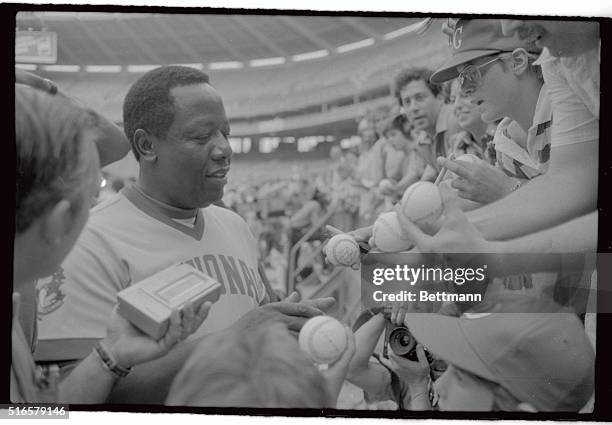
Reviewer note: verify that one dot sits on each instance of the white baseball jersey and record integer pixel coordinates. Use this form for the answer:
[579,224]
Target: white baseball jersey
[128,238]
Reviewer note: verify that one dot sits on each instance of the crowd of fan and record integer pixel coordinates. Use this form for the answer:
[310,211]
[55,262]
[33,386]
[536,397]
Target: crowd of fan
[529,115]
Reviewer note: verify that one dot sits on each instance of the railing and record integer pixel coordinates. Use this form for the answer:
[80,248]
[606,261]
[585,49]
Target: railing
[333,284]
[292,272]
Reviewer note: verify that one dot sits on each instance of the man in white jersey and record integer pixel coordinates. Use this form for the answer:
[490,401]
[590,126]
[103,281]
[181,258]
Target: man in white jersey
[177,127]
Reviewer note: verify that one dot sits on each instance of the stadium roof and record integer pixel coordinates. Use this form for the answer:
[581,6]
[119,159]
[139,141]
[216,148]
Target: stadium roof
[134,41]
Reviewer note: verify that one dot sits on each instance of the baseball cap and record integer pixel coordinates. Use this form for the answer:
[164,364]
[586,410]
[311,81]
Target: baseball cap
[475,38]
[533,347]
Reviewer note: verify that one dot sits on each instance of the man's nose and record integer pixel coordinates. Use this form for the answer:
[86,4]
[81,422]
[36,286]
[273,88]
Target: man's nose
[222,149]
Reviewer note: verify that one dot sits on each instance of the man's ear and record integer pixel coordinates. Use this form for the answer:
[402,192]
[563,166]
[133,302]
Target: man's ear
[519,61]
[144,144]
[57,223]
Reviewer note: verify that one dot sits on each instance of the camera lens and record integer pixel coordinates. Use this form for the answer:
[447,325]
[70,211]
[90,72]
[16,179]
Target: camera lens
[403,344]
[401,341]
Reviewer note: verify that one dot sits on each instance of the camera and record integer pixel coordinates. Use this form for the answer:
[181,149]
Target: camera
[402,343]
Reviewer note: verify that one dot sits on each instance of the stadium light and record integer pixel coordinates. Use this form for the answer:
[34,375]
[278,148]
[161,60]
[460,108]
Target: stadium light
[61,68]
[197,66]
[225,65]
[26,66]
[354,46]
[310,55]
[141,68]
[103,68]
[267,61]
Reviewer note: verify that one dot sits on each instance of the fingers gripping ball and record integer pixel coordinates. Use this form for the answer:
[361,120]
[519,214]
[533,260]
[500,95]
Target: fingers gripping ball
[468,157]
[323,338]
[422,204]
[342,250]
[387,234]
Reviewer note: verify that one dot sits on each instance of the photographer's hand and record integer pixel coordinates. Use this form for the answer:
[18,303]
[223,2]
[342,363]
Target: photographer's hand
[415,375]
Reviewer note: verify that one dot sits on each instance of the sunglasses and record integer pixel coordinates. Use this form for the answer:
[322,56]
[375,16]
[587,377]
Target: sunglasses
[471,76]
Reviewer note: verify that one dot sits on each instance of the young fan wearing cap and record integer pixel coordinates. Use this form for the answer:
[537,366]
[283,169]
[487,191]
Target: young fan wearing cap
[506,84]
[514,353]
[497,74]
[571,71]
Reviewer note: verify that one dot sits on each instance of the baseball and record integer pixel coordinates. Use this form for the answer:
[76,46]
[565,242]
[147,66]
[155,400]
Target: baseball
[387,234]
[422,204]
[323,338]
[342,250]
[468,157]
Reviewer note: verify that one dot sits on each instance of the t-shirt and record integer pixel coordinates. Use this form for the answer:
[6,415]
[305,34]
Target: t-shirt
[531,160]
[574,88]
[127,239]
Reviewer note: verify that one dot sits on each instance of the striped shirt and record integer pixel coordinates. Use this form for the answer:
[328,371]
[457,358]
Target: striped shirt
[531,160]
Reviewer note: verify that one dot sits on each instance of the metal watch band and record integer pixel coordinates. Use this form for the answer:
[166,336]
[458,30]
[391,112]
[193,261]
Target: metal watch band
[110,363]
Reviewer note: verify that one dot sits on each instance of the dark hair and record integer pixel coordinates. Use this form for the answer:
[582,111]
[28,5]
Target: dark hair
[149,105]
[396,122]
[413,74]
[50,134]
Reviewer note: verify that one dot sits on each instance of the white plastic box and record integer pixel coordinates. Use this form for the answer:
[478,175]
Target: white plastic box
[149,303]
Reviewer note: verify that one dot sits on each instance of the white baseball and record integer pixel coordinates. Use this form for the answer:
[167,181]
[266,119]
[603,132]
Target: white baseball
[323,338]
[422,203]
[342,250]
[467,157]
[387,233]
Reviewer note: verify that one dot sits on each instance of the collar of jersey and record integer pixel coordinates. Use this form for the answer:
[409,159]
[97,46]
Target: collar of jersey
[166,213]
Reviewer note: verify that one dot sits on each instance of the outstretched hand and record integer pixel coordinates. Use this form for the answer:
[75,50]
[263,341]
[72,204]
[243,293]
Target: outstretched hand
[33,80]
[479,182]
[457,234]
[290,311]
[337,371]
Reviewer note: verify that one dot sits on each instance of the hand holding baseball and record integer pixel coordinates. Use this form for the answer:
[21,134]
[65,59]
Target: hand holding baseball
[457,234]
[337,371]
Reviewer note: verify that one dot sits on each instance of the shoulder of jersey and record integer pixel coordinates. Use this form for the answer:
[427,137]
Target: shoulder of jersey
[106,211]
[222,212]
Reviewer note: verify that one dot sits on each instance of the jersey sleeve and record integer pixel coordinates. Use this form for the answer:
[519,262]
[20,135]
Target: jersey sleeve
[75,303]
